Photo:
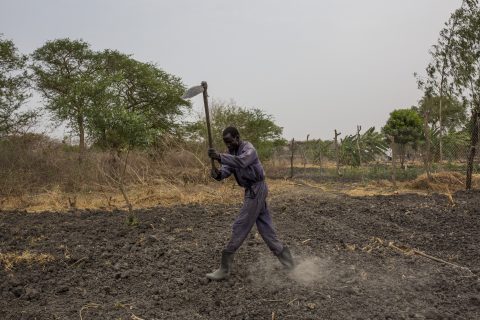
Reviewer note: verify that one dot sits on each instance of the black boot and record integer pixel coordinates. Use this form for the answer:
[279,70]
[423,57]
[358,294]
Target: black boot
[225,267]
[285,257]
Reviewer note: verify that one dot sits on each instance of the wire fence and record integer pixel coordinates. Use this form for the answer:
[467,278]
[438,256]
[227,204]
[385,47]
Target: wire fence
[325,161]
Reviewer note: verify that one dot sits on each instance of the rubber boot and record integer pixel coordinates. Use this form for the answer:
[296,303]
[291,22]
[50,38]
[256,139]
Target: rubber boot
[225,267]
[285,258]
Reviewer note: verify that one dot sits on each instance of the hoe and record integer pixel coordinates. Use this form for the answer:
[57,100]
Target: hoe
[192,92]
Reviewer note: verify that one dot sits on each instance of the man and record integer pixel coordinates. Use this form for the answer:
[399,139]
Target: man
[242,161]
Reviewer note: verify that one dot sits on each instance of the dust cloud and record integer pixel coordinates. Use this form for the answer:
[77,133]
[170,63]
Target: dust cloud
[310,270]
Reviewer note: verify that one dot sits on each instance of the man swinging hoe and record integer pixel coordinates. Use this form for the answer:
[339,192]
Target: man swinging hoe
[243,163]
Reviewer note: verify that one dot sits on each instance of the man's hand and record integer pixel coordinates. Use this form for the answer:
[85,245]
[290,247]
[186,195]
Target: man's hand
[213,154]
[215,173]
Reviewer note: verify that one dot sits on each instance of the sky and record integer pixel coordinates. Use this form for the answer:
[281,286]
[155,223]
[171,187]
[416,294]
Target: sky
[314,65]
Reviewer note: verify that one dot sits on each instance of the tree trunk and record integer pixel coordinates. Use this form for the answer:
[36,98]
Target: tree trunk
[427,156]
[104,138]
[473,146]
[440,137]
[81,133]
[402,156]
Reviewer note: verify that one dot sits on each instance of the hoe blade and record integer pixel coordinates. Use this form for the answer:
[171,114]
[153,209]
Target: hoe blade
[192,92]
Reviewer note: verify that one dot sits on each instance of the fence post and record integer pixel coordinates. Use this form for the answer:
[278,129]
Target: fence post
[359,151]
[336,151]
[304,152]
[292,148]
[320,156]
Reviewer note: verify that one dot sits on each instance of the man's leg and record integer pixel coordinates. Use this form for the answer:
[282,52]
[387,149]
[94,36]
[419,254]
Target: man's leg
[241,227]
[267,231]
[245,220]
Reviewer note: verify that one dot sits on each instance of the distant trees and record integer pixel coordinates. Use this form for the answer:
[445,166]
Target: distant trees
[254,125]
[139,102]
[116,101]
[465,71]
[65,74]
[320,150]
[113,98]
[365,147]
[452,116]
[452,84]
[14,85]
[405,126]
[454,123]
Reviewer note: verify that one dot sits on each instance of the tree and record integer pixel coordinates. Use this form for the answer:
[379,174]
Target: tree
[453,113]
[254,125]
[138,103]
[14,89]
[465,71]
[65,72]
[438,84]
[405,125]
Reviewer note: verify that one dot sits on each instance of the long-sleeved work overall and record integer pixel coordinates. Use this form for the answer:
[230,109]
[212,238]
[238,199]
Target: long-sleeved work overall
[248,171]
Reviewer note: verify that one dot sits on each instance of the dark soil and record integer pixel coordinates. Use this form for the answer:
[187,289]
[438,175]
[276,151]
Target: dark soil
[104,269]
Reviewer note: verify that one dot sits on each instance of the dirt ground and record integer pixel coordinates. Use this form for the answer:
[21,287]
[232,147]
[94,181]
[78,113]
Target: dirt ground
[354,261]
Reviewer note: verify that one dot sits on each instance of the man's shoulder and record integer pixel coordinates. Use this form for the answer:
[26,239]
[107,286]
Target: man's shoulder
[247,145]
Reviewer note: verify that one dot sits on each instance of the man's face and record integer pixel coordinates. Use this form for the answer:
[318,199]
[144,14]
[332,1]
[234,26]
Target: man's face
[232,143]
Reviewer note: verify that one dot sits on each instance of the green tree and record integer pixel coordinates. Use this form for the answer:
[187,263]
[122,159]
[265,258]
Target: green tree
[438,86]
[453,113]
[405,126]
[254,125]
[14,89]
[465,71]
[135,103]
[65,72]
[138,103]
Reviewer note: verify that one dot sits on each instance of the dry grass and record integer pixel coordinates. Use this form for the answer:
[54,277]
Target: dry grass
[443,182]
[440,182]
[33,164]
[10,259]
[380,187]
[141,196]
[165,193]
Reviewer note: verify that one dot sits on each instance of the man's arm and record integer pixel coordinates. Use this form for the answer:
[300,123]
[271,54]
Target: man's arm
[224,172]
[246,158]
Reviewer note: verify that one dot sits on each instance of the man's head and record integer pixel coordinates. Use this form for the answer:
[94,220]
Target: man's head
[231,137]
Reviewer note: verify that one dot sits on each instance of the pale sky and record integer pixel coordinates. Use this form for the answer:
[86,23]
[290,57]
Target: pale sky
[315,66]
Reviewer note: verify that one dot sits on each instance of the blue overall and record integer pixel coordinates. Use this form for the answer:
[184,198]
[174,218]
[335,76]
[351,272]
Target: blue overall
[248,171]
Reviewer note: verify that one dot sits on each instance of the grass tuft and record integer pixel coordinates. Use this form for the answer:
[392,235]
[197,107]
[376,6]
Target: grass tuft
[10,259]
